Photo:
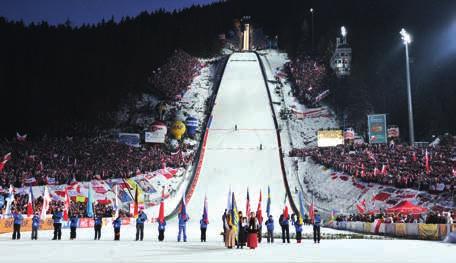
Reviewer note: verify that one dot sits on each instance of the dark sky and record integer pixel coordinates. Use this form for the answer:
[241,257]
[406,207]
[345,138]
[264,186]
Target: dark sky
[84,11]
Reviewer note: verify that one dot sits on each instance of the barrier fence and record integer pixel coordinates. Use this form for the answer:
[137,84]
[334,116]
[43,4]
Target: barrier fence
[402,230]
[6,224]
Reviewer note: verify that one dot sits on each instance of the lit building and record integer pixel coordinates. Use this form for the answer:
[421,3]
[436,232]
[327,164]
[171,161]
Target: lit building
[341,59]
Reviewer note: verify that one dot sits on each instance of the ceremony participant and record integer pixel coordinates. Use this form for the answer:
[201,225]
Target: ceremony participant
[252,238]
[73,225]
[98,222]
[296,222]
[142,217]
[57,217]
[35,226]
[17,224]
[284,224]
[316,227]
[117,223]
[270,227]
[203,228]
[242,232]
[230,235]
[161,230]
[183,218]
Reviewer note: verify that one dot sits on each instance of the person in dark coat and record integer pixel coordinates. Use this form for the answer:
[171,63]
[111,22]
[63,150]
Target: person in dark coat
[296,221]
[203,228]
[57,217]
[142,218]
[252,238]
[73,225]
[98,222]
[35,226]
[243,228]
[117,223]
[161,230]
[17,224]
[316,227]
[270,227]
[284,224]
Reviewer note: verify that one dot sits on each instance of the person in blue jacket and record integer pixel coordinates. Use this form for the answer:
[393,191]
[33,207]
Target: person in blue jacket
[35,225]
[57,217]
[316,227]
[98,221]
[285,225]
[73,225]
[17,224]
[203,227]
[142,217]
[161,230]
[183,218]
[296,221]
[117,223]
[270,227]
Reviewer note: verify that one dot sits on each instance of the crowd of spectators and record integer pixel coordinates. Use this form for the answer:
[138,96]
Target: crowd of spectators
[429,218]
[173,78]
[307,76]
[60,161]
[398,165]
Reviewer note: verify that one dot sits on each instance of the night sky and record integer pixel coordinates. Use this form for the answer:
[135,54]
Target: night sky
[84,11]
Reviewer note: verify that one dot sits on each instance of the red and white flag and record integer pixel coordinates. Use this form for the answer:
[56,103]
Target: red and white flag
[66,207]
[384,171]
[247,205]
[363,172]
[29,203]
[361,206]
[46,202]
[259,212]
[426,161]
[6,158]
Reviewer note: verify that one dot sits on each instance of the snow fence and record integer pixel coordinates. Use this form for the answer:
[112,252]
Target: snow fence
[401,230]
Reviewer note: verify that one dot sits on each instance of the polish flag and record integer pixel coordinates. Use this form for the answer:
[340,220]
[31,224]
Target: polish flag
[426,160]
[29,203]
[363,172]
[384,172]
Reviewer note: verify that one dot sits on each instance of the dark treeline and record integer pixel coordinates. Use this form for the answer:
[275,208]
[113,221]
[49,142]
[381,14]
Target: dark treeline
[51,77]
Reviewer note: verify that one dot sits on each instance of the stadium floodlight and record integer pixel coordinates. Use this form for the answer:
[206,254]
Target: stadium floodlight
[311,10]
[405,37]
[343,31]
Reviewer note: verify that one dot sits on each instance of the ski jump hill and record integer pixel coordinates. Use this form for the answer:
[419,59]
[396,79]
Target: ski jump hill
[232,159]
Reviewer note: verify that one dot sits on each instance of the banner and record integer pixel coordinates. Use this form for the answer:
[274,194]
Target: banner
[349,134]
[157,136]
[377,128]
[131,139]
[326,138]
[393,132]
[428,231]
[2,200]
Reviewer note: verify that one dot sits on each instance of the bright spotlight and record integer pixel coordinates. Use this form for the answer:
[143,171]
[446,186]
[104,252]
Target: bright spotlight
[405,37]
[343,31]
[311,10]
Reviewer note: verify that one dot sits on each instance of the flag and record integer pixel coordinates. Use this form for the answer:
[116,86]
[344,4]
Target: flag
[21,138]
[285,212]
[183,210]
[228,204]
[363,173]
[414,156]
[46,201]
[361,206]
[375,171]
[234,213]
[259,213]
[268,204]
[205,214]
[311,212]
[30,203]
[66,207]
[301,205]
[6,158]
[135,208]
[247,205]
[426,160]
[90,201]
[161,212]
[384,171]
[9,200]
[116,201]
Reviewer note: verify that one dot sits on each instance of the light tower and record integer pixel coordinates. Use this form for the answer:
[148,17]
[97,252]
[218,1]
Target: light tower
[341,59]
[407,39]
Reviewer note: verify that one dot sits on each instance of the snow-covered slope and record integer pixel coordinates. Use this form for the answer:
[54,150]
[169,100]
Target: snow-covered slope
[233,159]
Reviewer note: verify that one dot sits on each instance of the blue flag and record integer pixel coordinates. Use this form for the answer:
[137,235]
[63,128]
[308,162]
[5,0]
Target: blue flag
[268,205]
[183,208]
[90,202]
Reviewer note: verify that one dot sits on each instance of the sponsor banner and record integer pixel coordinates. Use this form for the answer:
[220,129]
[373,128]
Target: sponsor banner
[326,138]
[6,224]
[393,132]
[157,136]
[131,139]
[377,128]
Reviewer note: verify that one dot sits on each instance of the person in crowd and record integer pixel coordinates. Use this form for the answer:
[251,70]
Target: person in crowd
[73,225]
[203,228]
[297,222]
[161,230]
[183,218]
[252,238]
[230,236]
[270,228]
[242,232]
[35,225]
[316,227]
[17,218]
[284,224]
[98,222]
[142,217]
[116,224]
[57,217]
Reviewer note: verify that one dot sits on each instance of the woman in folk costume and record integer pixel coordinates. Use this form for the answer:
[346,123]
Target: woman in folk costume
[242,232]
[230,239]
[252,238]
